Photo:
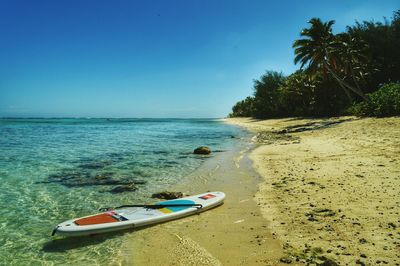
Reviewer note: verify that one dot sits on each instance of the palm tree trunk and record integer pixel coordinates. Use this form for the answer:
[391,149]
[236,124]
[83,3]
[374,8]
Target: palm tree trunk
[347,93]
[355,80]
[345,84]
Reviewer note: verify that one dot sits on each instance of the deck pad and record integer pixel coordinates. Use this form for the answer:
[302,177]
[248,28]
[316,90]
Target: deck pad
[101,218]
[175,209]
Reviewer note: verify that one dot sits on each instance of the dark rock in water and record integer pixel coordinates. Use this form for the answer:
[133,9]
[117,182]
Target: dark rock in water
[202,150]
[103,176]
[68,176]
[167,195]
[137,182]
[80,178]
[124,188]
[88,180]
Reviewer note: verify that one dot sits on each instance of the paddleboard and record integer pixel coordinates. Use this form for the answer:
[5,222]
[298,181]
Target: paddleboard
[135,216]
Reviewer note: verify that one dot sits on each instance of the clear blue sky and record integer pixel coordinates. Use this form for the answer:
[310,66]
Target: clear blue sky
[165,58]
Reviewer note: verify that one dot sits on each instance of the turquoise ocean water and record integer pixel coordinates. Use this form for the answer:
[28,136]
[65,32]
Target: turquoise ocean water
[52,170]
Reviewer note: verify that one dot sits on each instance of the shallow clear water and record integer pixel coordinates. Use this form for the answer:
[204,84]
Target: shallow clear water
[52,170]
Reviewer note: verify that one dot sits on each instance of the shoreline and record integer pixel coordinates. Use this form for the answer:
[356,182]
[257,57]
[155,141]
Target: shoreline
[331,188]
[232,234]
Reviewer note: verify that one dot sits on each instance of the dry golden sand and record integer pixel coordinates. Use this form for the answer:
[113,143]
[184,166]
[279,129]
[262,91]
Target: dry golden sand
[331,189]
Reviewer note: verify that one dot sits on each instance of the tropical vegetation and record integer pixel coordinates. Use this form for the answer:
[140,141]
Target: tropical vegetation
[343,73]
[383,102]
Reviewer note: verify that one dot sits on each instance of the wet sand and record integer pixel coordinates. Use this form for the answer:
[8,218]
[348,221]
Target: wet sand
[331,188]
[232,234]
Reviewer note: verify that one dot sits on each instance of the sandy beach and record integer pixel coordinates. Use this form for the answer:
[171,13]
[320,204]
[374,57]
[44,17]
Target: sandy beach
[300,191]
[331,187]
[232,234]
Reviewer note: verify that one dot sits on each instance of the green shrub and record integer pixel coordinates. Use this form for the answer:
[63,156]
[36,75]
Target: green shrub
[383,102]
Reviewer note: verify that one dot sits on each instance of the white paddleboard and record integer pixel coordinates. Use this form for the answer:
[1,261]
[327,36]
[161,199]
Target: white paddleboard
[134,217]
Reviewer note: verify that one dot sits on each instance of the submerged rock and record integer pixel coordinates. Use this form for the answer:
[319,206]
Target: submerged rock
[167,195]
[68,176]
[103,176]
[82,178]
[136,181]
[202,150]
[124,188]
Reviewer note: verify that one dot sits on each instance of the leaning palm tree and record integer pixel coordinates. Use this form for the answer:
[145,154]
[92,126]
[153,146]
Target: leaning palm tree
[317,52]
[353,57]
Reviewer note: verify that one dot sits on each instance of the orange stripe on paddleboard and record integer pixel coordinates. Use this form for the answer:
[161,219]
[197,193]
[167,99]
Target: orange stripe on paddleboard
[97,219]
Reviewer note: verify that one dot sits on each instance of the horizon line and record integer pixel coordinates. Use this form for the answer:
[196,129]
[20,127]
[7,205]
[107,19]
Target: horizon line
[83,117]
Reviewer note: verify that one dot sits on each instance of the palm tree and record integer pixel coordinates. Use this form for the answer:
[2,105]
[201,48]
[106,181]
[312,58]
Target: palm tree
[352,54]
[318,51]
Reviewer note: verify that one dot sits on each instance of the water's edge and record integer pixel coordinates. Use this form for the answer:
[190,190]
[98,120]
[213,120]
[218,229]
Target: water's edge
[232,234]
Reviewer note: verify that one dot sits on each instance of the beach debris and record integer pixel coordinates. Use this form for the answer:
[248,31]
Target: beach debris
[359,262]
[315,256]
[321,212]
[324,212]
[203,150]
[362,241]
[309,256]
[311,217]
[392,225]
[312,126]
[326,261]
[286,259]
[179,237]
[124,188]
[270,137]
[167,195]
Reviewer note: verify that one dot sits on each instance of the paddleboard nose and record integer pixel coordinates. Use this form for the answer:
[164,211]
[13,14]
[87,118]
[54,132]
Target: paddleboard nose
[54,231]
